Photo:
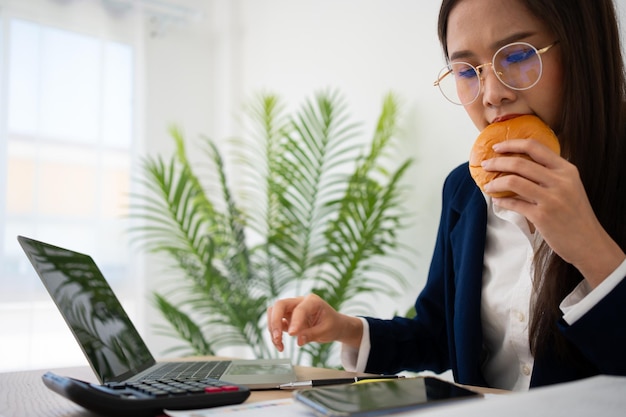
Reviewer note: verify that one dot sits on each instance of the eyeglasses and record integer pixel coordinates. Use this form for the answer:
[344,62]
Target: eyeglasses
[517,65]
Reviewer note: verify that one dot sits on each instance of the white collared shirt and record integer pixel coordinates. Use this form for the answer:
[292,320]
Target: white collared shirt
[506,294]
[506,302]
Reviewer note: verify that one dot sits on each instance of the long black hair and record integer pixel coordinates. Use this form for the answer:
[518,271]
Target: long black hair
[592,135]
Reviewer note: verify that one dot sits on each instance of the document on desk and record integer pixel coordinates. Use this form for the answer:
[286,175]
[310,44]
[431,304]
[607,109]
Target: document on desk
[603,396]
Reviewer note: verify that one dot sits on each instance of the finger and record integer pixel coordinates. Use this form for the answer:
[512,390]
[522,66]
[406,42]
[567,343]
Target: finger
[536,150]
[516,187]
[276,334]
[282,309]
[302,316]
[278,317]
[315,321]
[303,339]
[522,172]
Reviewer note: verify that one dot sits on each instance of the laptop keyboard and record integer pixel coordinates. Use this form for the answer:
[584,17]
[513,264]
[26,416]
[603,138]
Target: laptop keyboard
[188,370]
[178,379]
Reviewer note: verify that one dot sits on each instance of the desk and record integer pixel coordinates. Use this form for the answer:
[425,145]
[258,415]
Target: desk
[23,394]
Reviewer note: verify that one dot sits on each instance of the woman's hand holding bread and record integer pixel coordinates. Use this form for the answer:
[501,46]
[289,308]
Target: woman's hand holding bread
[547,190]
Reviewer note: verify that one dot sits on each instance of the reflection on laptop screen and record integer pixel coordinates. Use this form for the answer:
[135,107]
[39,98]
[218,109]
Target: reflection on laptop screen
[91,310]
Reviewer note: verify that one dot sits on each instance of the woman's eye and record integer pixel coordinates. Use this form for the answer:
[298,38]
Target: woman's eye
[466,73]
[519,56]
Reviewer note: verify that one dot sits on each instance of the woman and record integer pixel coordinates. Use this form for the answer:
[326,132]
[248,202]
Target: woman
[528,290]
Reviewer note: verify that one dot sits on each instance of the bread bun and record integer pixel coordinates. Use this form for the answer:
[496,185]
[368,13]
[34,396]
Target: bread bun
[522,127]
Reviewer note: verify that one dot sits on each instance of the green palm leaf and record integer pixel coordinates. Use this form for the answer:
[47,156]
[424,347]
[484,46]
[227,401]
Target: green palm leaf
[184,328]
[312,207]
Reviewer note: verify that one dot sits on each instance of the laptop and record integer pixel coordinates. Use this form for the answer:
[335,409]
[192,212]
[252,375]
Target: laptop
[110,341]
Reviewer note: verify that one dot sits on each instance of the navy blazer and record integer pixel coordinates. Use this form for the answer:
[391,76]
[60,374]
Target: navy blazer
[446,332]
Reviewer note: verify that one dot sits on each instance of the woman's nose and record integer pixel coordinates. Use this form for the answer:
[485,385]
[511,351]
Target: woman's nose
[494,92]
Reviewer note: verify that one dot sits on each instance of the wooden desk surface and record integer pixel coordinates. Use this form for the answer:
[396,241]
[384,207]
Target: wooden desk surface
[23,394]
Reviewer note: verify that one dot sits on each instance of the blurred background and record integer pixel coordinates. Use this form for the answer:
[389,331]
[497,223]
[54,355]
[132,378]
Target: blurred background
[89,87]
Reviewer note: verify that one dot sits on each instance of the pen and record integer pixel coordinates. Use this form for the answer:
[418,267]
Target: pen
[334,381]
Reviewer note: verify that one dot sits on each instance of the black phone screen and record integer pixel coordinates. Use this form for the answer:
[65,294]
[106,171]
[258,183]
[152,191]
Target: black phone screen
[371,398]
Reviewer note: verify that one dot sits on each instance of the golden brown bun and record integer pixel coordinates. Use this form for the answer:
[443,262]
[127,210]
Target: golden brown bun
[523,127]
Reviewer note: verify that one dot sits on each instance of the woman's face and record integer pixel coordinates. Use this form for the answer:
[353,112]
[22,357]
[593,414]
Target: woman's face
[476,30]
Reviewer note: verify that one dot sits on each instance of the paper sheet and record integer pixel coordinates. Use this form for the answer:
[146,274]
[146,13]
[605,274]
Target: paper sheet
[272,408]
[600,396]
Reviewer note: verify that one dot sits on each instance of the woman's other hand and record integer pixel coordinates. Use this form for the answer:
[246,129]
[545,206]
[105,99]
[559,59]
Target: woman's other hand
[311,319]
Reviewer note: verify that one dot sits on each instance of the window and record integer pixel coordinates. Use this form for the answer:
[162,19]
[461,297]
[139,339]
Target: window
[67,126]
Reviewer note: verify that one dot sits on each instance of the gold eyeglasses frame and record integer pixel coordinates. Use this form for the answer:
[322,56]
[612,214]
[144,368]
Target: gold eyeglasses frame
[479,70]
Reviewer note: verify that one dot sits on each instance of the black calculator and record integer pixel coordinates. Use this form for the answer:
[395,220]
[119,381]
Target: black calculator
[148,397]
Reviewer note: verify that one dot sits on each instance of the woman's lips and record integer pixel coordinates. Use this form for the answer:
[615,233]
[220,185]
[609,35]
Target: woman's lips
[506,117]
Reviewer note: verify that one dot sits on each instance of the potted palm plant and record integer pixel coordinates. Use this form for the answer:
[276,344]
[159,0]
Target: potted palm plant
[313,208]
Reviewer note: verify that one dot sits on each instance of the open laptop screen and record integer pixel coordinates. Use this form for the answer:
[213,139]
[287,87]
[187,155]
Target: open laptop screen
[91,310]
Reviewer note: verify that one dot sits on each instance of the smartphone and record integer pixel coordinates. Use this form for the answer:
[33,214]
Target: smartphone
[380,397]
